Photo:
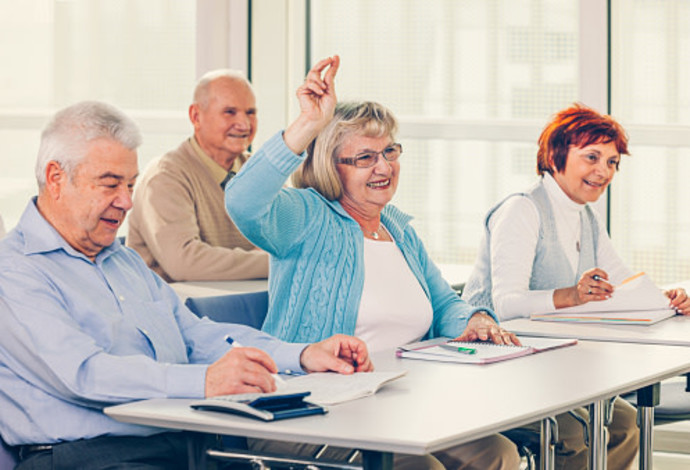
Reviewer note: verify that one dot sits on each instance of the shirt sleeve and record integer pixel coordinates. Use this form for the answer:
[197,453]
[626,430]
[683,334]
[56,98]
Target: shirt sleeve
[514,231]
[170,228]
[47,347]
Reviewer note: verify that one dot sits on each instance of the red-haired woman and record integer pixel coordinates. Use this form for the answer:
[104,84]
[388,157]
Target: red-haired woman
[546,249]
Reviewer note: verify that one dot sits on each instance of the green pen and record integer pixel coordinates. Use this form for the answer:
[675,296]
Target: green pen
[459,349]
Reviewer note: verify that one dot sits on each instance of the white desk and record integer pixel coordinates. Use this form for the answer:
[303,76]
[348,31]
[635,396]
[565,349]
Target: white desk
[212,288]
[672,331]
[437,406]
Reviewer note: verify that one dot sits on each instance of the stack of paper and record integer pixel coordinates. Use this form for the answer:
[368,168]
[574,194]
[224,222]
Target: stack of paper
[635,301]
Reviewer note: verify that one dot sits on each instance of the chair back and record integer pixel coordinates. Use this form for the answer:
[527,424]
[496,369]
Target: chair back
[246,309]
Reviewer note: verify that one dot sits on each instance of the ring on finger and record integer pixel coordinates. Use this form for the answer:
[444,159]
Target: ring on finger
[589,292]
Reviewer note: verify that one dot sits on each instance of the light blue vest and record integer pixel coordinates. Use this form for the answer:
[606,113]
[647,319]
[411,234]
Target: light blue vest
[550,268]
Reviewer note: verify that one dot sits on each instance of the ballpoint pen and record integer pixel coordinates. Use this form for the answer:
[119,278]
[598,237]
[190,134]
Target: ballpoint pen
[460,349]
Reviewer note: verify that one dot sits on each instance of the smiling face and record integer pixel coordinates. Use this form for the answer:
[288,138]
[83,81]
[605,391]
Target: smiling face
[367,190]
[226,124]
[88,208]
[588,171]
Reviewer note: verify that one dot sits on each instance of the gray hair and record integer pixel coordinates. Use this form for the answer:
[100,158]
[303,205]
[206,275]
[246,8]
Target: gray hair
[318,171]
[66,138]
[201,91]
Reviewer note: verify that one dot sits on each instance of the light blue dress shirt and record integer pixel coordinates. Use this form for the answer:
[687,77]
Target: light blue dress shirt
[76,336]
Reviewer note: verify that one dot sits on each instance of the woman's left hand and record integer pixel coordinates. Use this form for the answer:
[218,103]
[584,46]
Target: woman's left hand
[679,300]
[481,327]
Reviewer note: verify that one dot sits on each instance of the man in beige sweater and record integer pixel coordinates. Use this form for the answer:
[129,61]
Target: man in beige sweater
[179,224]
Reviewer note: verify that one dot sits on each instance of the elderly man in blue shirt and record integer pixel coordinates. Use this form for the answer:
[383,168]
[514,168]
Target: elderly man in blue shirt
[85,324]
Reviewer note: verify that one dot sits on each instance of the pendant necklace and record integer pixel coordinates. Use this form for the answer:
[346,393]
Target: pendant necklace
[375,234]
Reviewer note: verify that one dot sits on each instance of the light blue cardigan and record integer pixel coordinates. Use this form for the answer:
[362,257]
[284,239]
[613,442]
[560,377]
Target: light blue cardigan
[316,248]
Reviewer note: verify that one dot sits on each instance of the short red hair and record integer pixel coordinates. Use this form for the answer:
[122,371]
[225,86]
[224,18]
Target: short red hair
[580,126]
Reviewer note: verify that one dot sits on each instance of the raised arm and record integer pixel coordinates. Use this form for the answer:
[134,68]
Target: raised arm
[269,217]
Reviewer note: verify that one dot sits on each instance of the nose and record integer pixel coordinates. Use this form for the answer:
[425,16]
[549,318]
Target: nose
[242,121]
[123,200]
[603,167]
[382,165]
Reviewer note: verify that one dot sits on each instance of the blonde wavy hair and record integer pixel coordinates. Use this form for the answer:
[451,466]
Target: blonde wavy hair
[362,118]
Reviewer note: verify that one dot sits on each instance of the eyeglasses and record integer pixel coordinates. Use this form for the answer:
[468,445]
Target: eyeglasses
[369,159]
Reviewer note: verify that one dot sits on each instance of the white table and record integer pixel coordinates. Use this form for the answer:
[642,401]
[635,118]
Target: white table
[213,288]
[674,331]
[437,406]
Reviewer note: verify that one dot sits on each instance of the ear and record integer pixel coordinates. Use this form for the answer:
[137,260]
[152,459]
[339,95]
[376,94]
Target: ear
[194,115]
[56,178]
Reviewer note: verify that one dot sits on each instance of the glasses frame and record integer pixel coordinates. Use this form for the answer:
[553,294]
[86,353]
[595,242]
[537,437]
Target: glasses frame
[353,160]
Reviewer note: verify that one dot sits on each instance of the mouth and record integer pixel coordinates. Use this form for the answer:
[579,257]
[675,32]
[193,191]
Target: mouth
[379,184]
[112,223]
[238,136]
[595,185]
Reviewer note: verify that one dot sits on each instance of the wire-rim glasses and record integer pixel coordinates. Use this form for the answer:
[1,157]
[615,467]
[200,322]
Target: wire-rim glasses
[369,159]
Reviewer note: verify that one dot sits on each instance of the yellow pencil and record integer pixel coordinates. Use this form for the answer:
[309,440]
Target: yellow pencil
[632,278]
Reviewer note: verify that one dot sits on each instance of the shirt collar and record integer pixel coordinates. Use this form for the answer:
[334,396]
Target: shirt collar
[219,173]
[558,197]
[41,237]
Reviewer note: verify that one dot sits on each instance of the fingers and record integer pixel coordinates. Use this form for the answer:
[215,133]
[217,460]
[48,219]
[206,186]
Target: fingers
[339,353]
[313,81]
[593,286]
[241,370]
[679,300]
[481,327]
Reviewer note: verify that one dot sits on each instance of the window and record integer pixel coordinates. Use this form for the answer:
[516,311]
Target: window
[471,83]
[650,222]
[137,55]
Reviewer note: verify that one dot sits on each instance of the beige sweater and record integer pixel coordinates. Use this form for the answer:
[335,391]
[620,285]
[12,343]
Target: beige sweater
[180,227]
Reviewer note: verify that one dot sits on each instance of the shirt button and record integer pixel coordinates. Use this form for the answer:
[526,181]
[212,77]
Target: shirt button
[122,298]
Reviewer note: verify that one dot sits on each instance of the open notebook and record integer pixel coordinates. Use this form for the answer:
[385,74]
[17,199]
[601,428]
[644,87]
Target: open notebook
[635,301]
[319,388]
[446,350]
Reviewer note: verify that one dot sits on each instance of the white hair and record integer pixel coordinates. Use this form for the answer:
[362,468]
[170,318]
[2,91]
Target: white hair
[201,91]
[66,137]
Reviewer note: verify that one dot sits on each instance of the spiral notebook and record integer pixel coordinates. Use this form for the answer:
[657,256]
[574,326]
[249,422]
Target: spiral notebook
[446,350]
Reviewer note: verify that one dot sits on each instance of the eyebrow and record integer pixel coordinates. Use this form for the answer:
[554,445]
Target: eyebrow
[366,150]
[109,174]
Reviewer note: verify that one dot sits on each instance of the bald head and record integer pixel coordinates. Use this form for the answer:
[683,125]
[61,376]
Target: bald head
[224,115]
[202,91]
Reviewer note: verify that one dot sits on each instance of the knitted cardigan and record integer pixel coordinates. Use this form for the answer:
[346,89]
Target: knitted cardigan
[317,266]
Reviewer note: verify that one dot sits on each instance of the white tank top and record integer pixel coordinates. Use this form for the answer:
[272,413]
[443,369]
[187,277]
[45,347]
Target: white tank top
[393,309]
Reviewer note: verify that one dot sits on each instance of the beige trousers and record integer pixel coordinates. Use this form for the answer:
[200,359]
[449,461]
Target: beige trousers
[493,452]
[623,439]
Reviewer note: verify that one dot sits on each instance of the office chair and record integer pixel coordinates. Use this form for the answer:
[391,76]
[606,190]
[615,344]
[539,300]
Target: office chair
[246,309]
[674,401]
[8,457]
[250,309]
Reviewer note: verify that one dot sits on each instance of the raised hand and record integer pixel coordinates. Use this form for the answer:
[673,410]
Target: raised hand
[317,100]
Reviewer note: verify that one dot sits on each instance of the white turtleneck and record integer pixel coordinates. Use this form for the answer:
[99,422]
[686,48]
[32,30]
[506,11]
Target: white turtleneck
[514,231]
